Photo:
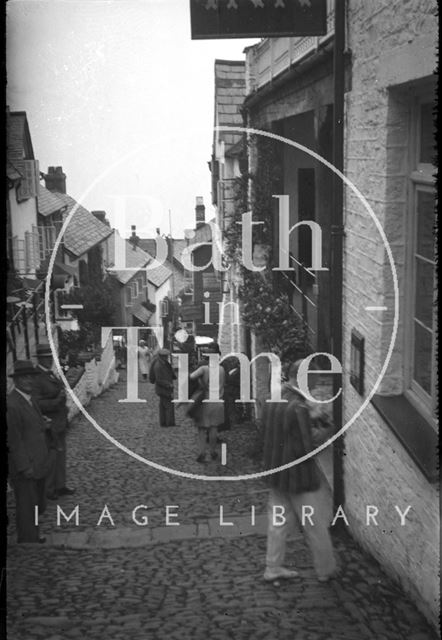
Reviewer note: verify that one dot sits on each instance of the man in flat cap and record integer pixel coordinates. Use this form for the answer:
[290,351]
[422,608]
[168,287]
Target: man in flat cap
[162,375]
[28,454]
[48,392]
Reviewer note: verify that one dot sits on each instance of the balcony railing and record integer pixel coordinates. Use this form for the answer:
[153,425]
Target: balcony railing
[25,326]
[275,55]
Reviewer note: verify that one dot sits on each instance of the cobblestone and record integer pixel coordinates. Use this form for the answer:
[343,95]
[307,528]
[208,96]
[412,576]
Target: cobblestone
[196,581]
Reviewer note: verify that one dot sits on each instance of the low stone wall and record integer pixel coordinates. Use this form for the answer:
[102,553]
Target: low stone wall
[97,377]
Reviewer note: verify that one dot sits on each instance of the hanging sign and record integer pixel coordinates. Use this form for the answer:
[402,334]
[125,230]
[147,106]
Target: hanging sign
[257,18]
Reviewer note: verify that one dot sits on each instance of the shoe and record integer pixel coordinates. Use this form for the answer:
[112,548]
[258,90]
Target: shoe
[279,572]
[52,496]
[214,455]
[65,491]
[331,576]
[201,458]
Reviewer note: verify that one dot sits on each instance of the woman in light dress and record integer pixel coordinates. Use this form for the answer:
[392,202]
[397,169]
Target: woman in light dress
[144,356]
[208,415]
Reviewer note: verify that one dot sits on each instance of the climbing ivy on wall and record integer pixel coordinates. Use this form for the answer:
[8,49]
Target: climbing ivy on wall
[265,309]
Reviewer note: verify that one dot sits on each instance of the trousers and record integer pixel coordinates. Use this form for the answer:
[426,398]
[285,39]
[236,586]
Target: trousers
[167,412]
[56,478]
[29,493]
[317,535]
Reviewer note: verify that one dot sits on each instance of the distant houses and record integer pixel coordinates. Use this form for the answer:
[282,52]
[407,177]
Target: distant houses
[200,297]
[25,246]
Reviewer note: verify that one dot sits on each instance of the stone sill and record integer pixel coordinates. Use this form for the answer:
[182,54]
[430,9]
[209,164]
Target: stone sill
[414,432]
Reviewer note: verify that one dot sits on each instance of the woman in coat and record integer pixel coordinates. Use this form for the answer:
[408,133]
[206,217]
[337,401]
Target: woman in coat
[143,359]
[208,416]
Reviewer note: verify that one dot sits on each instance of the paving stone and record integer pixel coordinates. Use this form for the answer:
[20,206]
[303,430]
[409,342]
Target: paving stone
[191,582]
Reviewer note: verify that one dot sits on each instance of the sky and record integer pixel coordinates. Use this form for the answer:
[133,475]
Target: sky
[118,94]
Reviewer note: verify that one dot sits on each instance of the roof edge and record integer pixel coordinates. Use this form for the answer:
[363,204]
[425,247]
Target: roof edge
[231,62]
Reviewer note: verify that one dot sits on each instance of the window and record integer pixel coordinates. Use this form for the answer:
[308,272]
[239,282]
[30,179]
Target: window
[46,240]
[411,412]
[422,317]
[128,295]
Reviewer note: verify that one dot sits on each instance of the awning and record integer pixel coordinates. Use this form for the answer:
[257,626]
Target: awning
[141,313]
[31,283]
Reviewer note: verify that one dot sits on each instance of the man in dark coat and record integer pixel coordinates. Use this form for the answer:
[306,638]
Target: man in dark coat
[28,456]
[162,375]
[288,437]
[232,391]
[48,392]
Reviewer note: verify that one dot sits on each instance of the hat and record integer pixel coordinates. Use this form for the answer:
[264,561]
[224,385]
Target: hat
[164,352]
[43,349]
[23,368]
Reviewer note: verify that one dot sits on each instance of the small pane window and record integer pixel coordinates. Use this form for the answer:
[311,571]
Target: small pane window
[426,154]
[423,344]
[424,309]
[424,293]
[425,224]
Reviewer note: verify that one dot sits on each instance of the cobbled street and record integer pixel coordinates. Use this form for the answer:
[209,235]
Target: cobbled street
[195,581]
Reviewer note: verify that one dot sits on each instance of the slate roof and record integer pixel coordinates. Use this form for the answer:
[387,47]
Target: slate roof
[149,245]
[136,259]
[19,145]
[49,202]
[84,231]
[179,244]
[230,90]
[159,275]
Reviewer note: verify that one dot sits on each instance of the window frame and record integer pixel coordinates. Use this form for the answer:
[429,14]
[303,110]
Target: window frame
[420,179]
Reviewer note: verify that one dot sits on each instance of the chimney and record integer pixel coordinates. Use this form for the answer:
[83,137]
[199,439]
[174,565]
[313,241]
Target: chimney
[55,180]
[101,216]
[200,212]
[134,239]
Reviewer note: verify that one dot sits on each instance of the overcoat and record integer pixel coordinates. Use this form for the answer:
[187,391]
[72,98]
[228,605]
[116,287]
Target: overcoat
[144,360]
[162,375]
[26,437]
[210,414]
[288,437]
[46,392]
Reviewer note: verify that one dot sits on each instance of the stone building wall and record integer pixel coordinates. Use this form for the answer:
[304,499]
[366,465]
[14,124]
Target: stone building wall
[393,51]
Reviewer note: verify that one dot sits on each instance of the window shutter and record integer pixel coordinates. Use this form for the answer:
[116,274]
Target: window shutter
[28,186]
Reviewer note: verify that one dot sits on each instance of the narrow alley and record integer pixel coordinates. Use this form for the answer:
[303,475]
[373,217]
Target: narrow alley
[198,580]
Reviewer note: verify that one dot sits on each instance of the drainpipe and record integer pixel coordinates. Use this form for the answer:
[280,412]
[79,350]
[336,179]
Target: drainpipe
[337,234]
